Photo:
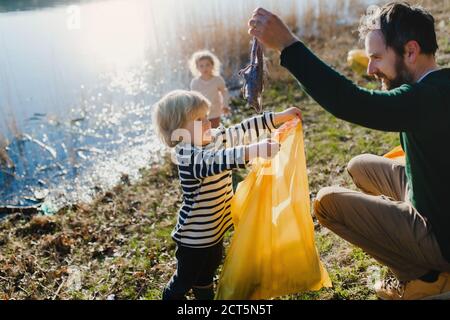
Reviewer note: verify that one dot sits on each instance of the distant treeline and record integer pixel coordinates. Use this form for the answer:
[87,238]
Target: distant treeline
[24,5]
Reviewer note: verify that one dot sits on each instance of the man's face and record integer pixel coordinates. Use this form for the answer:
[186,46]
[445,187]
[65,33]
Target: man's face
[384,63]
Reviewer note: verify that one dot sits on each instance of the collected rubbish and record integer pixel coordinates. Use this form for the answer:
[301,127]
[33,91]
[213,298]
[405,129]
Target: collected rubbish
[254,77]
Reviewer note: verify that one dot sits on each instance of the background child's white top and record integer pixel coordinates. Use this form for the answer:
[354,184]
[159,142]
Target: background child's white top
[210,89]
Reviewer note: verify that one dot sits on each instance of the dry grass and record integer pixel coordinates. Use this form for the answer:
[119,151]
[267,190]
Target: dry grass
[232,46]
[119,246]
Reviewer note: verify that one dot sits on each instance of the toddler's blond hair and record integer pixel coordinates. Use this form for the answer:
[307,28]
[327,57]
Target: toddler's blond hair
[204,54]
[173,110]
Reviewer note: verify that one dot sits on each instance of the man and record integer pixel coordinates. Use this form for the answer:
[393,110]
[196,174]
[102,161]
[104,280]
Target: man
[402,215]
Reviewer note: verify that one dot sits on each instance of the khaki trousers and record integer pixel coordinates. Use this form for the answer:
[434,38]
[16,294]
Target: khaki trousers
[380,219]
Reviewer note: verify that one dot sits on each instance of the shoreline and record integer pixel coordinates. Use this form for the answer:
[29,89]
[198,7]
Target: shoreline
[119,246]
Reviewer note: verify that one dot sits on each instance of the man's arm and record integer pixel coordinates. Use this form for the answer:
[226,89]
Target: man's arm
[395,110]
[402,109]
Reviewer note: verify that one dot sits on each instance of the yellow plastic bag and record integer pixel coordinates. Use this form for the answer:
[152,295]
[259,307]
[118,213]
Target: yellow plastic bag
[273,251]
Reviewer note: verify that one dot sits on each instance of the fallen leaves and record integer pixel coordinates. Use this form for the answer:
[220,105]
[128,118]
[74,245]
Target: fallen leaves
[39,225]
[105,249]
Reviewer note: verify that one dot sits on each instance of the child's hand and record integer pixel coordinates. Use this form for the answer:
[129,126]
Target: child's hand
[286,115]
[265,149]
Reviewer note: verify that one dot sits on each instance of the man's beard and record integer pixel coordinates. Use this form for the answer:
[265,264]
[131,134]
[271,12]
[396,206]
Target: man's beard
[403,76]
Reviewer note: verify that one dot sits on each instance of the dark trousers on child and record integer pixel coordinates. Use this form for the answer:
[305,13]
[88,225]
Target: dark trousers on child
[195,270]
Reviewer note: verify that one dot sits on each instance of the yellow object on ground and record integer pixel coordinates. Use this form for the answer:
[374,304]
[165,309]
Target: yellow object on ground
[396,154]
[358,60]
[273,252]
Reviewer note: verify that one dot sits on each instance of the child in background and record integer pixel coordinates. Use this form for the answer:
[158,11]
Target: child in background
[205,67]
[205,158]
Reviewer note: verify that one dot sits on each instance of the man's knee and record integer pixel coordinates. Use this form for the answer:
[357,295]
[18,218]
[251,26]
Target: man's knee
[357,166]
[325,203]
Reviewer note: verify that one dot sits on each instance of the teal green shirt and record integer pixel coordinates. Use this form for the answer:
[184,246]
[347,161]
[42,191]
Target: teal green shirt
[419,112]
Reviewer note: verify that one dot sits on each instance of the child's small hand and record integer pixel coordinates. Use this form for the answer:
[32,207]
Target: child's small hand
[286,115]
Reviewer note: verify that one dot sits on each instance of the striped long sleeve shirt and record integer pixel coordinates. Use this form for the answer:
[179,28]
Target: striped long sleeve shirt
[205,177]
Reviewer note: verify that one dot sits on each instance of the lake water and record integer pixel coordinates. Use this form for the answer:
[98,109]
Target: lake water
[78,78]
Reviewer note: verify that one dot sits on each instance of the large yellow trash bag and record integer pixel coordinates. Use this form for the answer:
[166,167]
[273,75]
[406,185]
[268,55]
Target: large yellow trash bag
[273,252]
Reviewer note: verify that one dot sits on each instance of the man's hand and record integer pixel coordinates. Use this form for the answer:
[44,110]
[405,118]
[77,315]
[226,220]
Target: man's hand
[286,115]
[270,30]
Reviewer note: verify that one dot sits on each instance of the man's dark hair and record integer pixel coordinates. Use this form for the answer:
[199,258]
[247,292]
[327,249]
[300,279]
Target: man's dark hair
[400,22]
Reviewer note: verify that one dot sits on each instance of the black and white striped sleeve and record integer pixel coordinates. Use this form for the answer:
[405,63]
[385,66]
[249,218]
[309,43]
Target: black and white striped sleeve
[249,129]
[199,163]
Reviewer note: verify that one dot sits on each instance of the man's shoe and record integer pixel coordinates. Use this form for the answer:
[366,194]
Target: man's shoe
[393,289]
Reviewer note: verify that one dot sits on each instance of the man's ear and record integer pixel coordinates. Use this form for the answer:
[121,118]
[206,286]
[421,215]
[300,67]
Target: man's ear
[412,51]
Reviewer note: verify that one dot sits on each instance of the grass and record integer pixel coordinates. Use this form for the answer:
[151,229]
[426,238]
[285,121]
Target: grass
[119,246]
[121,243]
